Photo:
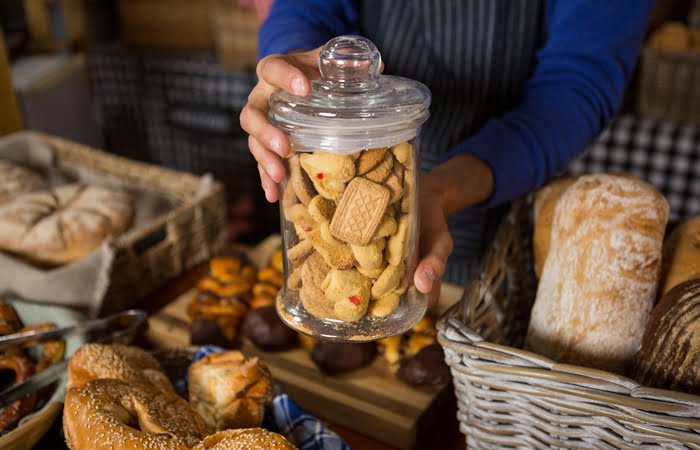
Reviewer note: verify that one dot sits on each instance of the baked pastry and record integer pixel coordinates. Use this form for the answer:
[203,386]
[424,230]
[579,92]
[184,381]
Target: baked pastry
[221,301]
[399,350]
[339,357]
[121,362]
[21,368]
[267,331]
[669,357]
[600,277]
[107,414]
[427,367]
[16,180]
[246,439]
[681,255]
[62,225]
[545,202]
[230,390]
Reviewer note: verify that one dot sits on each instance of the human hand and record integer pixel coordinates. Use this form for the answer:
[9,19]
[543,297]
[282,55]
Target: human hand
[459,183]
[268,144]
[435,239]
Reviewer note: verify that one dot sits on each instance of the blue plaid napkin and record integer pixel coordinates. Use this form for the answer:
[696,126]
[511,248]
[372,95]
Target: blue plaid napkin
[288,419]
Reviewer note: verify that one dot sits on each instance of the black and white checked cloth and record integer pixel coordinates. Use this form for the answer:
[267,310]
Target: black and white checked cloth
[666,154]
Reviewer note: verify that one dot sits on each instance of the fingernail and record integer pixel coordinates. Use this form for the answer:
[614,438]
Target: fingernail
[431,275]
[298,85]
[270,168]
[275,145]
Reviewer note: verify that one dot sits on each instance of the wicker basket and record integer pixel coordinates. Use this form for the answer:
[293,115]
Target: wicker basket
[166,246]
[669,86]
[511,398]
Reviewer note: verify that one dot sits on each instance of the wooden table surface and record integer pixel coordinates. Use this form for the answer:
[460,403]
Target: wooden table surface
[446,436]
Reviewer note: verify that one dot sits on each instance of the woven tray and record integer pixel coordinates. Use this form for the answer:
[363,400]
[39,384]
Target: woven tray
[166,246]
[669,86]
[511,398]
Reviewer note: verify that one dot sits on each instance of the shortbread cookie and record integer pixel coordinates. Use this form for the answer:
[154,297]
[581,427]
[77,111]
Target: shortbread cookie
[387,226]
[384,306]
[294,281]
[374,273]
[394,182]
[321,209]
[359,212]
[387,281]
[326,235]
[409,180]
[369,159]
[328,172]
[314,271]
[336,256]
[299,252]
[299,215]
[402,152]
[370,256]
[349,290]
[396,247]
[316,303]
[381,170]
[300,182]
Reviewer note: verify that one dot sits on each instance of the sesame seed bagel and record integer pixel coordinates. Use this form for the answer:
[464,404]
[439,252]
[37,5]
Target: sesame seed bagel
[114,414]
[245,439]
[120,362]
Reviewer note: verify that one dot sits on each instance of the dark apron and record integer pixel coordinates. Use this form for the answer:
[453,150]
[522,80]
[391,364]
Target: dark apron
[475,56]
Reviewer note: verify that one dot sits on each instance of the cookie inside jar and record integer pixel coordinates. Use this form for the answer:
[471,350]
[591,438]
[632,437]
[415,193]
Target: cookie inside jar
[349,228]
[348,204]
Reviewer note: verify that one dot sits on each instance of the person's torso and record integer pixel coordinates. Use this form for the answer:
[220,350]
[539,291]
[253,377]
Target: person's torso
[475,56]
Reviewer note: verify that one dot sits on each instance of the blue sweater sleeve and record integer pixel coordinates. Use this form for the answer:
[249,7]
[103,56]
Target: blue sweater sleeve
[577,85]
[305,24]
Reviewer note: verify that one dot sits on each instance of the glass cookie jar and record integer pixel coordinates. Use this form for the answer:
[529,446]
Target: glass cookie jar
[349,205]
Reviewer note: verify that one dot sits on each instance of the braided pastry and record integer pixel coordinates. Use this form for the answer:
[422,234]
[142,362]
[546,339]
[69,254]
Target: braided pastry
[221,301]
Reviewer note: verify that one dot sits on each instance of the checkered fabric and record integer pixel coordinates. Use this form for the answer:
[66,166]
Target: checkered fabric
[288,419]
[666,154]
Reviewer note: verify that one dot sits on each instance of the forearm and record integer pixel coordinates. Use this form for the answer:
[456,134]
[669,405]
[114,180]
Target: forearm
[577,85]
[461,182]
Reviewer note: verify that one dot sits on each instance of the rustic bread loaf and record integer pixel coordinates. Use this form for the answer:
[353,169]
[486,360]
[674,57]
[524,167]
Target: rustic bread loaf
[545,202]
[59,226]
[600,277]
[16,180]
[681,255]
[670,354]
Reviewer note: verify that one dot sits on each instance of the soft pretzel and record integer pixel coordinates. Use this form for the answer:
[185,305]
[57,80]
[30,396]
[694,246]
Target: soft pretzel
[22,368]
[108,414]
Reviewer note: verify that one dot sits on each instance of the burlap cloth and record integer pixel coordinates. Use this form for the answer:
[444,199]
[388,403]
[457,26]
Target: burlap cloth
[81,284]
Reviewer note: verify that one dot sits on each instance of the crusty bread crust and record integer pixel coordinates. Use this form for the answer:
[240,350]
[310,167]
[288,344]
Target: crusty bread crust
[601,274]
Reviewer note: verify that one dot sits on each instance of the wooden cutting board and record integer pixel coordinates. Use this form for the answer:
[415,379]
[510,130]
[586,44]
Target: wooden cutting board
[370,401]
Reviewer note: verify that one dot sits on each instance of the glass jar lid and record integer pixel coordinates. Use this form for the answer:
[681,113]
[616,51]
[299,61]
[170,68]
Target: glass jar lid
[351,106]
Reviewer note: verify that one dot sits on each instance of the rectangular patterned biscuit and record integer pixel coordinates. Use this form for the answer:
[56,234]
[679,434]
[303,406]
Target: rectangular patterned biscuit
[360,211]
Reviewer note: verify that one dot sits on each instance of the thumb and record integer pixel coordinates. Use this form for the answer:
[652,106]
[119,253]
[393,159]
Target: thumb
[436,247]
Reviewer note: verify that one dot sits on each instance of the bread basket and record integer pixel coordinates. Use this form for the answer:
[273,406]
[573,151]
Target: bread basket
[511,398]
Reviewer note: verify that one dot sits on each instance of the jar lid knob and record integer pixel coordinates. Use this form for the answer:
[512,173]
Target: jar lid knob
[350,64]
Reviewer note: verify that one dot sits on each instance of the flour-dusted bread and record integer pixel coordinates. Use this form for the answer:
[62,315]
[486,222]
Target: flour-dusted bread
[681,255]
[600,277]
[545,201]
[16,180]
[62,225]
[670,354]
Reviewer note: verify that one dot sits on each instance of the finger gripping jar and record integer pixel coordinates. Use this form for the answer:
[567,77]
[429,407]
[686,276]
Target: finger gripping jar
[349,206]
